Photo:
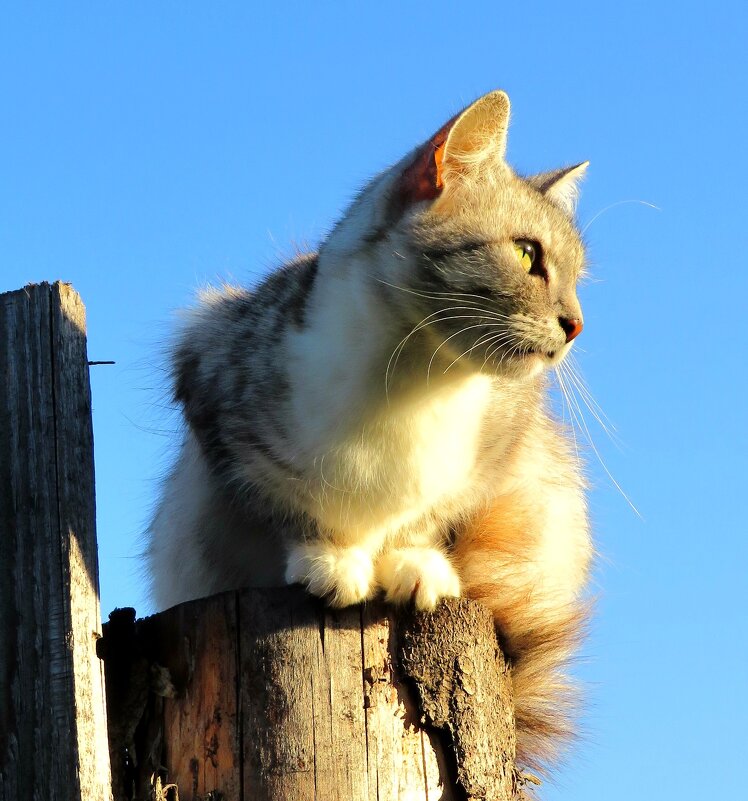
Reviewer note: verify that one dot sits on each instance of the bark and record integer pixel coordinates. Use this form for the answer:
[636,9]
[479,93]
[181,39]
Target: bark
[266,695]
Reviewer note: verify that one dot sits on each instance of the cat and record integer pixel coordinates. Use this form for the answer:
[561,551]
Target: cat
[372,419]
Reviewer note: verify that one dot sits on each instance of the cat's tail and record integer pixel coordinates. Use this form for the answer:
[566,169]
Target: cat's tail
[538,637]
[547,700]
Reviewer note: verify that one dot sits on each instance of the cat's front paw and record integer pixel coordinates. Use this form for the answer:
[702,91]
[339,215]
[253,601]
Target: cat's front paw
[423,575]
[345,576]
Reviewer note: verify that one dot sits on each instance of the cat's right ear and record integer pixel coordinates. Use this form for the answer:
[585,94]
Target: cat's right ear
[475,135]
[561,187]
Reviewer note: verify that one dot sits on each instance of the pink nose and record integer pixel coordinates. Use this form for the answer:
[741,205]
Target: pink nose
[572,328]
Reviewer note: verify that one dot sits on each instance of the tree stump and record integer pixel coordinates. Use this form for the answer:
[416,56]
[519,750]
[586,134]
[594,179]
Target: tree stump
[268,695]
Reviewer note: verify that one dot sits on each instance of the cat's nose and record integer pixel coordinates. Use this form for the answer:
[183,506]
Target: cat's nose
[572,327]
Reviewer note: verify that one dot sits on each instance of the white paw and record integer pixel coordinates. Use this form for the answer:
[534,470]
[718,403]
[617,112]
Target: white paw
[423,575]
[344,576]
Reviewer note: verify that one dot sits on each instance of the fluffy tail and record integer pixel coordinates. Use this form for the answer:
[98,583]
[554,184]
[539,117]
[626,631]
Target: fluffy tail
[538,632]
[547,701]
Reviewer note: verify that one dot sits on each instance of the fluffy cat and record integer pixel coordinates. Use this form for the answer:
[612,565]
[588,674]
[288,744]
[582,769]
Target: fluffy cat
[372,418]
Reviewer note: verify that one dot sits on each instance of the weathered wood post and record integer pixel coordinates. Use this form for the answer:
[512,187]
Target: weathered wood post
[53,742]
[267,695]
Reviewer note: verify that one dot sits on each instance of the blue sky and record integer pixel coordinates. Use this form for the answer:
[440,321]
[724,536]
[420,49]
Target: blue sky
[146,149]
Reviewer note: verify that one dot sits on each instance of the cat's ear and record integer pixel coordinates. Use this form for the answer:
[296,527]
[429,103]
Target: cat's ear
[476,133]
[479,132]
[561,186]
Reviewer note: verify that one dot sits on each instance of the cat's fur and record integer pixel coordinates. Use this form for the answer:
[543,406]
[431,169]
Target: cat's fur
[373,417]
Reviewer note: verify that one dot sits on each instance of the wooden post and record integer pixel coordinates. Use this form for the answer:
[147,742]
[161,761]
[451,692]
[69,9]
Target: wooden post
[267,695]
[52,712]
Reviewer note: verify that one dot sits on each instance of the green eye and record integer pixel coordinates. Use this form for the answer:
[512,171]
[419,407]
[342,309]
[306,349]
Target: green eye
[526,253]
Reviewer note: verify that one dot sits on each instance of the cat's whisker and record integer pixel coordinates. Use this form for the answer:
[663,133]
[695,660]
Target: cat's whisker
[431,294]
[592,405]
[480,341]
[444,342]
[497,339]
[610,434]
[426,321]
[574,370]
[619,203]
[424,324]
[583,427]
[420,326]
[497,346]
[567,405]
[458,297]
[499,353]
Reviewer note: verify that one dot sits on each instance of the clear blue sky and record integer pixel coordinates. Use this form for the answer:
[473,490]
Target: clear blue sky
[149,148]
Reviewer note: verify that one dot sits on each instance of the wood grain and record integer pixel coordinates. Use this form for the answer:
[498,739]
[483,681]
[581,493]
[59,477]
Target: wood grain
[52,713]
[271,695]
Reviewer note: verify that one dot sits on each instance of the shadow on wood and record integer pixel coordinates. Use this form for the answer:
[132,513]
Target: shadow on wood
[268,695]
[52,715]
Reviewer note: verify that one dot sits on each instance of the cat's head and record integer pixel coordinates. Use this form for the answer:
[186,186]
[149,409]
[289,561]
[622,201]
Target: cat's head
[483,260]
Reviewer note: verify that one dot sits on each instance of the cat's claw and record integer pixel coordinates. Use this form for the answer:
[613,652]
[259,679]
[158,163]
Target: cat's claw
[344,576]
[423,575]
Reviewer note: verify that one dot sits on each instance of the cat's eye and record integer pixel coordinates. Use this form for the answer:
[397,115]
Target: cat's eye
[526,253]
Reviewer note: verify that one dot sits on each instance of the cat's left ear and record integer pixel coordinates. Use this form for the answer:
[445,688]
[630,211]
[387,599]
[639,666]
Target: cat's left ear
[477,133]
[561,186]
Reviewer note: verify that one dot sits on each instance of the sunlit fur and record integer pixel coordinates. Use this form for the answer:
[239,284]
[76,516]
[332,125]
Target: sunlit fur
[372,419]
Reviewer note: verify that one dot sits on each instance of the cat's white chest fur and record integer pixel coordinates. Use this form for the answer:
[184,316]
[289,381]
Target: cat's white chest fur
[440,437]
[385,487]
[404,463]
[378,465]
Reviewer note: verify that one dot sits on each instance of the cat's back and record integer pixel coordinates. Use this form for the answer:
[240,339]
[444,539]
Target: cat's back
[230,344]
[238,316]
